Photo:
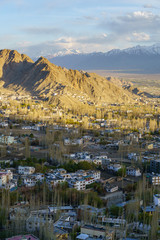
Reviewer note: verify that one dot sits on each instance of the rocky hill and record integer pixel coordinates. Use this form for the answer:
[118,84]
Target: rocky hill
[63,87]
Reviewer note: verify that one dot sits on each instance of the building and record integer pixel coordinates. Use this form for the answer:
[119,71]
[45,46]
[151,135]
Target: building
[154,179]
[23,237]
[32,179]
[78,180]
[155,166]
[5,177]
[135,172]
[156,199]
[114,167]
[25,170]
[81,179]
[7,139]
[96,232]
[110,188]
[38,219]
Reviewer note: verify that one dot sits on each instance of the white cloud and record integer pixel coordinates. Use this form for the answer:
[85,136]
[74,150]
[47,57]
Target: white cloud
[24,44]
[141,14]
[138,37]
[148,6]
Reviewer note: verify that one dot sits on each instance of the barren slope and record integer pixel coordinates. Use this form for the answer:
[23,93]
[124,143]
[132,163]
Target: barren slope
[58,85]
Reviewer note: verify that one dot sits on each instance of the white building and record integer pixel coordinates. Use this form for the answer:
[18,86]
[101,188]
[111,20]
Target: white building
[114,167]
[97,161]
[111,189]
[80,184]
[32,180]
[5,177]
[131,171]
[156,199]
[80,181]
[25,170]
[7,139]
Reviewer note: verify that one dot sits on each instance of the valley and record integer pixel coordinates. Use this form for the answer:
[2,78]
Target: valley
[145,82]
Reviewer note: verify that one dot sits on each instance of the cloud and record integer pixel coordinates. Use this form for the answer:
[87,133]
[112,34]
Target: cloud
[139,37]
[140,14]
[24,43]
[138,21]
[150,6]
[43,30]
[91,18]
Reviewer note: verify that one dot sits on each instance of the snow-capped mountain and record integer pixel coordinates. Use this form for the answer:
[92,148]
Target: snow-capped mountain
[140,59]
[63,53]
[137,50]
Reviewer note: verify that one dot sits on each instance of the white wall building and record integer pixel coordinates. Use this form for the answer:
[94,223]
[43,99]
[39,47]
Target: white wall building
[133,172]
[25,170]
[114,167]
[156,199]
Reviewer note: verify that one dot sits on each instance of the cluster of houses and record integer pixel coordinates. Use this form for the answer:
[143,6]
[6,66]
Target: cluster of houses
[78,180]
[61,220]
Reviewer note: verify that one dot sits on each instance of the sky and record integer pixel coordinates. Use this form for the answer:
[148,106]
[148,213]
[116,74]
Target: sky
[44,27]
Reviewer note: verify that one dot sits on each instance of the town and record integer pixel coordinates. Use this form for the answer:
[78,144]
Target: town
[79,175]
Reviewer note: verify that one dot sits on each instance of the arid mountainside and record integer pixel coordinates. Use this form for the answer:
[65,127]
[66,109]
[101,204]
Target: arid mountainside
[58,85]
[129,86]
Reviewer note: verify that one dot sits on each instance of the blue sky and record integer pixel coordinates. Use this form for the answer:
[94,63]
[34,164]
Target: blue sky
[42,27]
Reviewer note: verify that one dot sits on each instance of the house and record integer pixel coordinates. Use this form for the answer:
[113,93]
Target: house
[82,236]
[131,171]
[60,233]
[38,219]
[60,208]
[77,180]
[7,139]
[4,124]
[154,179]
[81,179]
[32,180]
[95,232]
[23,237]
[149,209]
[156,199]
[155,166]
[25,170]
[114,167]
[67,221]
[5,177]
[111,188]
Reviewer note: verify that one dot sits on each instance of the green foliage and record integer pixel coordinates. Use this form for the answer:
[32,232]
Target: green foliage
[3,217]
[122,172]
[96,133]
[31,135]
[32,162]
[116,211]
[97,187]
[71,166]
[145,218]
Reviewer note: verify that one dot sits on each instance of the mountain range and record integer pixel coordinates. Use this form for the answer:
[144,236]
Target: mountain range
[139,59]
[60,86]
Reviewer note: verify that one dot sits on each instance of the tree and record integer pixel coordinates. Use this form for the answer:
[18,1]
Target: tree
[122,172]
